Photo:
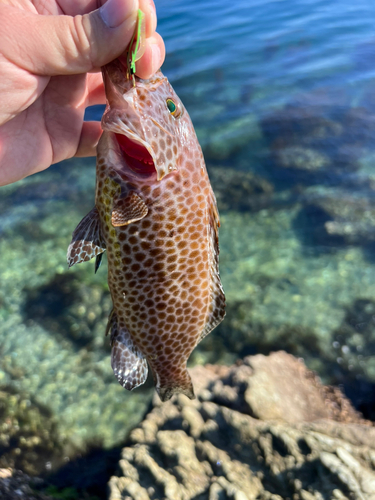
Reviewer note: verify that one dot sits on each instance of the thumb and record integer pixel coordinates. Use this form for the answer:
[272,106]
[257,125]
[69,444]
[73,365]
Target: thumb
[65,45]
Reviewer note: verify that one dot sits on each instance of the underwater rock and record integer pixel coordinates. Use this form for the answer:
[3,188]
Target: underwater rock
[301,158]
[313,143]
[345,219]
[354,345]
[242,191]
[264,429]
[29,436]
[71,308]
[15,485]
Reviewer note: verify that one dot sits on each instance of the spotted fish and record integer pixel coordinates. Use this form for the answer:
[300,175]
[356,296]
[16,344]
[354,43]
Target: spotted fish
[155,214]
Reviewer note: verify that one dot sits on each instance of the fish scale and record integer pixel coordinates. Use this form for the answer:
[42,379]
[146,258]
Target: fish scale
[155,214]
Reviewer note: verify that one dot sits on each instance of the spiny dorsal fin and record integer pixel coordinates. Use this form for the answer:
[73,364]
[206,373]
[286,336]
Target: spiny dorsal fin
[128,363]
[87,241]
[216,308]
[129,209]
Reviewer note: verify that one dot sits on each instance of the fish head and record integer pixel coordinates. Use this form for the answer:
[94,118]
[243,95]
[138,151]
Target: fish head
[147,120]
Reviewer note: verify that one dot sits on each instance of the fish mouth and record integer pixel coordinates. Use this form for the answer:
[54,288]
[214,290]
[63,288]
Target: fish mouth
[136,155]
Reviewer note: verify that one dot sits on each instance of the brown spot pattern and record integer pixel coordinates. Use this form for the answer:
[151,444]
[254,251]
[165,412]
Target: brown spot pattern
[167,262]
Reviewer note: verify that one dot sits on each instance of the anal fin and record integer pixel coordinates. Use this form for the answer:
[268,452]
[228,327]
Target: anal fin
[128,363]
[86,240]
[129,209]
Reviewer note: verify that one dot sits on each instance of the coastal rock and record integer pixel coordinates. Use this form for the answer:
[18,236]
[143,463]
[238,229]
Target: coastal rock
[264,429]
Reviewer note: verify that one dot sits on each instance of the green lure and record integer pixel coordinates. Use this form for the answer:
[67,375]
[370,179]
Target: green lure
[137,44]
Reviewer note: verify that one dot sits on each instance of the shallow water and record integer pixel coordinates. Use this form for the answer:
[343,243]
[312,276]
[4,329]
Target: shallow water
[282,95]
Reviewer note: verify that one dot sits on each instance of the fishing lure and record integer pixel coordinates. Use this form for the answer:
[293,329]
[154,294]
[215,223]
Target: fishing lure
[137,45]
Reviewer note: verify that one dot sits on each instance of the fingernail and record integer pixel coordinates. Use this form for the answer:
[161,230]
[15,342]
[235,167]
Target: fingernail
[156,56]
[115,12]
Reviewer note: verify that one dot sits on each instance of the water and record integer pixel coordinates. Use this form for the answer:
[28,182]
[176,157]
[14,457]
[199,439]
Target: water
[282,95]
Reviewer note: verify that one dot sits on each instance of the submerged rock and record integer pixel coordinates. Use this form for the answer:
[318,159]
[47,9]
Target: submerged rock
[301,158]
[29,435]
[15,485]
[71,308]
[265,429]
[316,143]
[344,219]
[242,191]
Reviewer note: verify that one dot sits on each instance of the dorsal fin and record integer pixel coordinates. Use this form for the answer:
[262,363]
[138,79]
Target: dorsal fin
[87,241]
[216,308]
[129,209]
[128,363]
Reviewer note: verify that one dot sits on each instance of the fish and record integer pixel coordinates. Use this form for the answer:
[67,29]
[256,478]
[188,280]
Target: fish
[156,217]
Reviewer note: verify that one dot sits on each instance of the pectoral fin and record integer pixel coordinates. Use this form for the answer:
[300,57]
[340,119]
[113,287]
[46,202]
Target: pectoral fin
[129,209]
[128,363]
[87,241]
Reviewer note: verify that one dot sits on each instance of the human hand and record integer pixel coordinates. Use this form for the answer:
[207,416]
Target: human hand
[51,52]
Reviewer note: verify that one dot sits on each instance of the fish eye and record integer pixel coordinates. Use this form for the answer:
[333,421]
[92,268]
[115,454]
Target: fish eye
[174,108]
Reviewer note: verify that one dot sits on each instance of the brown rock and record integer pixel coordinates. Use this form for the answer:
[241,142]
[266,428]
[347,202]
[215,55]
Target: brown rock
[282,388]
[306,442]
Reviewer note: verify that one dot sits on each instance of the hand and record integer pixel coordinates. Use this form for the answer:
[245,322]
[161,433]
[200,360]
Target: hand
[51,52]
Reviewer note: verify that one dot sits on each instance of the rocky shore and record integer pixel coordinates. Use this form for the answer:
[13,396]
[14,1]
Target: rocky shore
[264,429]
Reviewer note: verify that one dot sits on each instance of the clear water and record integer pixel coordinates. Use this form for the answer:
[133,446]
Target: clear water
[282,95]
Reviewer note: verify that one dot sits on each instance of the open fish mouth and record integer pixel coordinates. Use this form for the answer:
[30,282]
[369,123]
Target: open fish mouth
[136,156]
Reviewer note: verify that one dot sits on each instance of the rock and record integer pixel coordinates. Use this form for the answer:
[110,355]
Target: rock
[15,485]
[29,434]
[264,429]
[70,308]
[315,143]
[302,399]
[301,158]
[242,191]
[343,218]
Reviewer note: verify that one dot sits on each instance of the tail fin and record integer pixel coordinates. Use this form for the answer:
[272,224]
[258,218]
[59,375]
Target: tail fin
[182,385]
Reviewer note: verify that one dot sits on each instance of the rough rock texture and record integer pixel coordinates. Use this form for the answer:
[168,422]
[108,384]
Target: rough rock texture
[265,429]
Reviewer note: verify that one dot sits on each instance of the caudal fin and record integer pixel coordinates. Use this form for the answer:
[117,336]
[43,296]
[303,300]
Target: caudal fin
[180,385]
